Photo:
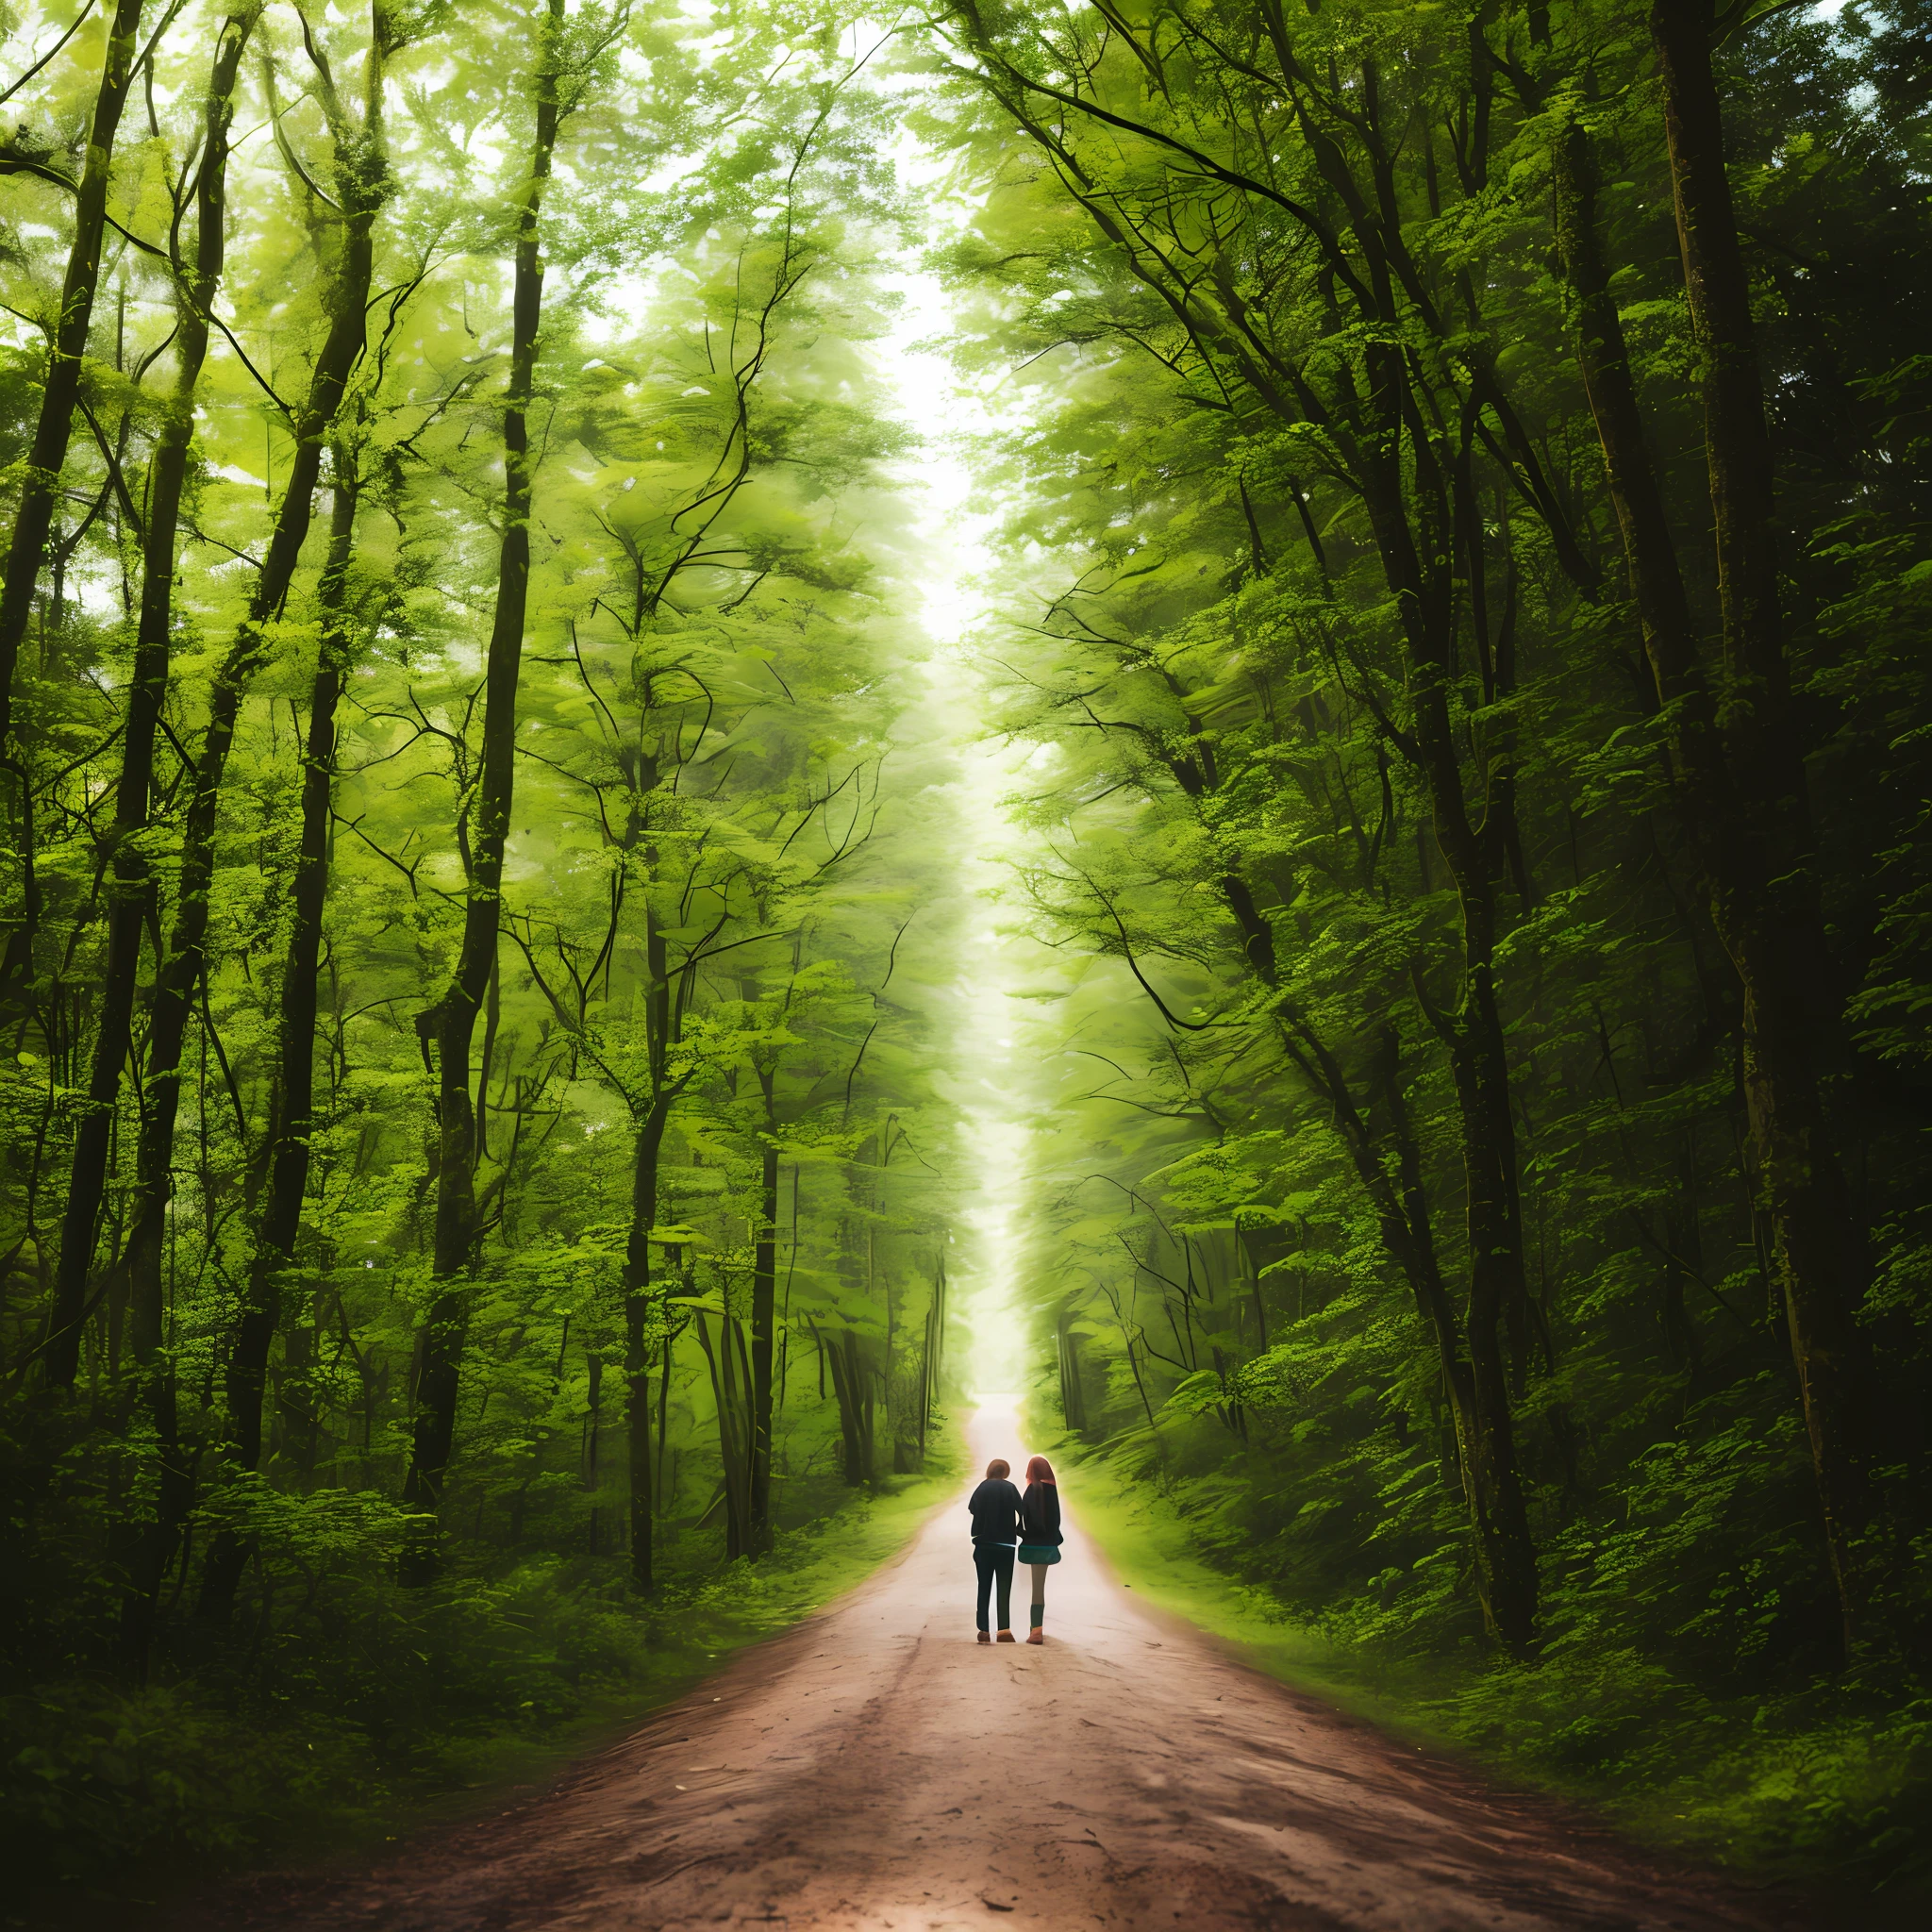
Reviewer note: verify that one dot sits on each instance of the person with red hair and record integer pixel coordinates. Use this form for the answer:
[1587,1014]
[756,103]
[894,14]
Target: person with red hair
[1039,1536]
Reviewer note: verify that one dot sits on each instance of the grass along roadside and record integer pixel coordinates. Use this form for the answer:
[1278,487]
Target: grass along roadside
[1829,1784]
[386,1711]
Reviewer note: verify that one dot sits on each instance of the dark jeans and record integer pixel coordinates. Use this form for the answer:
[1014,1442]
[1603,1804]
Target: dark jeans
[995,1561]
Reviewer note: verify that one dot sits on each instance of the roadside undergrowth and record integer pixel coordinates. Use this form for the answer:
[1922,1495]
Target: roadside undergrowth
[1826,1779]
[374,1710]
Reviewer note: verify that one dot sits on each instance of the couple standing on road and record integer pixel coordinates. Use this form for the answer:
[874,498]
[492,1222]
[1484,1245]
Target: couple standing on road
[1002,1517]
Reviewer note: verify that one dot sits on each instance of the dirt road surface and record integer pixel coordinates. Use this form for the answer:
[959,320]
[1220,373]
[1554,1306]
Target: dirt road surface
[875,1767]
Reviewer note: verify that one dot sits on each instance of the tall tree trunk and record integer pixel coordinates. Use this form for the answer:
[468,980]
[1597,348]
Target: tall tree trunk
[153,1548]
[363,187]
[1388,1164]
[636,1336]
[843,1353]
[1478,1054]
[730,1391]
[662,1011]
[1656,584]
[593,1374]
[1072,1393]
[279,1226]
[764,1309]
[130,897]
[665,1499]
[1764,900]
[1737,440]
[40,487]
[1414,525]
[440,1362]
[1409,520]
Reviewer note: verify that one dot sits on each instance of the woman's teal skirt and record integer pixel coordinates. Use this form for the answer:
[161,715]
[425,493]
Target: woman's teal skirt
[1038,1553]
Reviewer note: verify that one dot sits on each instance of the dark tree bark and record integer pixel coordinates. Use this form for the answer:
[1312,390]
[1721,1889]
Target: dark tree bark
[34,520]
[152,1549]
[457,1232]
[1656,584]
[279,1226]
[1476,1362]
[362,186]
[1741,783]
[129,896]
[636,1338]
[731,1389]
[1472,1034]
[1388,1164]
[1380,423]
[764,1311]
[663,1006]
[1764,903]
[363,181]
[1072,1393]
[60,398]
[844,1353]
[932,1357]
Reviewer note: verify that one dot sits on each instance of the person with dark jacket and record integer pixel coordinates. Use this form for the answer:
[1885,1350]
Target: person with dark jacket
[995,1507]
[1039,1536]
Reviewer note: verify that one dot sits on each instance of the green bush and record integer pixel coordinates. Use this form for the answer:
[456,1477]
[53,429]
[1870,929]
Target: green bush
[1786,1772]
[358,1700]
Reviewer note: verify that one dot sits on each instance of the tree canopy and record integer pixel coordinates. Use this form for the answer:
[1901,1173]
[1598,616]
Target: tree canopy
[494,968]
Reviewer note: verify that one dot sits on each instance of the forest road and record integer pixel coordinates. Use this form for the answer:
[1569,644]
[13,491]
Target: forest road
[876,1768]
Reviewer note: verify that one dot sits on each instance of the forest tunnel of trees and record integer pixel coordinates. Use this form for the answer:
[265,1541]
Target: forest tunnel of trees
[536,950]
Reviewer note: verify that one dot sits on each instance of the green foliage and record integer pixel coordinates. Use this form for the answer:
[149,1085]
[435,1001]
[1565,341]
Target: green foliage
[705,1070]
[359,1702]
[1393,1044]
[1426,1032]
[1793,1779]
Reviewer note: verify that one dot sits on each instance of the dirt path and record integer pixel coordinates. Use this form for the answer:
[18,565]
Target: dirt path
[876,1768]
